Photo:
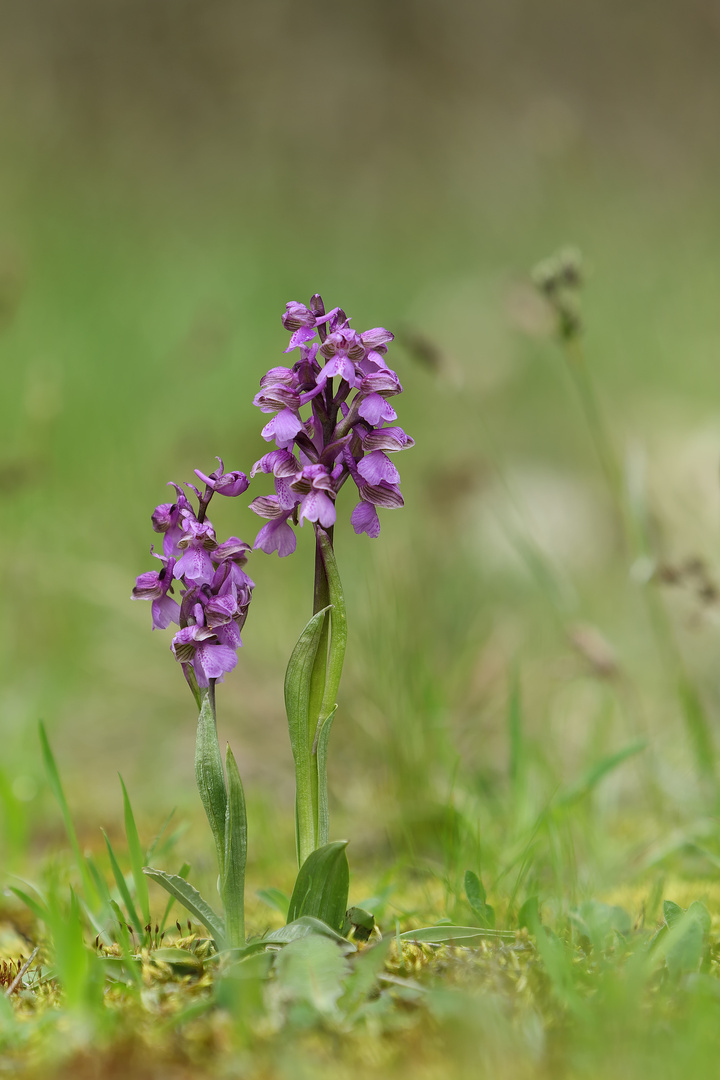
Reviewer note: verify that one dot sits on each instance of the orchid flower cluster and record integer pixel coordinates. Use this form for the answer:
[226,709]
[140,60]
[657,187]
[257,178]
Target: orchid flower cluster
[344,437]
[347,433]
[216,591]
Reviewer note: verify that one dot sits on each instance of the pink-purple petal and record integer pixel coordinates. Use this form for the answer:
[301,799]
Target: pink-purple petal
[165,610]
[276,536]
[375,409]
[364,519]
[377,466]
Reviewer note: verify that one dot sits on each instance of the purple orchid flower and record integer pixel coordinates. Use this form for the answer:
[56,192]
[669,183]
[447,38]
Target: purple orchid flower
[199,647]
[222,483]
[155,585]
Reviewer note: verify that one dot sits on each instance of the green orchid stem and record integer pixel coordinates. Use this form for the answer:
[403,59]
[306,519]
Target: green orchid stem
[321,600]
[326,674]
[224,804]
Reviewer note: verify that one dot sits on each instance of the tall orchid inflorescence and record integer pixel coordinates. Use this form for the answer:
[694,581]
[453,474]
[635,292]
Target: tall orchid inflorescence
[343,380]
[210,610]
[348,434]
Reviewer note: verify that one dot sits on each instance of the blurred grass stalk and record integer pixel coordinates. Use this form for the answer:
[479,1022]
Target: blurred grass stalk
[560,279]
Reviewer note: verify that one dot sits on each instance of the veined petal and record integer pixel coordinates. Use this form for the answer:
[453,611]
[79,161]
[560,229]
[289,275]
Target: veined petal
[382,494]
[286,496]
[283,376]
[195,565]
[317,506]
[375,409]
[377,466]
[339,365]
[279,462]
[267,506]
[148,586]
[229,635]
[220,610]
[283,427]
[276,536]
[371,339]
[215,660]
[300,336]
[389,439]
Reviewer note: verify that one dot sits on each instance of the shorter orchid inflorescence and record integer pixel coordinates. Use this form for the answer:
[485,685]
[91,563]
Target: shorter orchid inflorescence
[345,380]
[214,594]
[215,590]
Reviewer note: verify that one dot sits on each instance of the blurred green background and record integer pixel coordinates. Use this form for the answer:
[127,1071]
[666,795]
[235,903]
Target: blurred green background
[171,174]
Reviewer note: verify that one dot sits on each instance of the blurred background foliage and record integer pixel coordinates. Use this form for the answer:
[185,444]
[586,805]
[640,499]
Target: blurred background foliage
[171,174]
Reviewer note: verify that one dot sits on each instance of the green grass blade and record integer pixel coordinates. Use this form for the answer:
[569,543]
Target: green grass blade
[191,899]
[233,889]
[515,734]
[104,894]
[56,787]
[126,944]
[275,899]
[98,880]
[38,909]
[137,859]
[598,771]
[123,888]
[698,726]
[152,850]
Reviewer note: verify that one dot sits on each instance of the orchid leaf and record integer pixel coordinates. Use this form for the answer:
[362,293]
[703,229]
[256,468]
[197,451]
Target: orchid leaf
[233,886]
[209,774]
[298,680]
[323,739]
[321,888]
[303,926]
[312,970]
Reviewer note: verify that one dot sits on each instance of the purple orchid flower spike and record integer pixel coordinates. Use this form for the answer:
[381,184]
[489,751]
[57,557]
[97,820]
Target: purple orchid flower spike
[344,380]
[214,589]
[214,593]
[332,421]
